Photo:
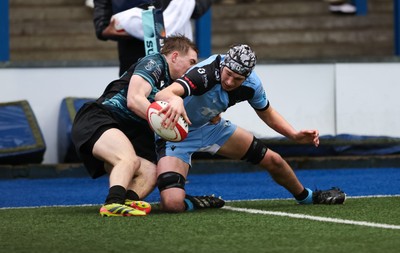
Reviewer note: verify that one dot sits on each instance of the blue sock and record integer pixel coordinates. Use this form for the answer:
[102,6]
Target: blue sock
[189,205]
[308,200]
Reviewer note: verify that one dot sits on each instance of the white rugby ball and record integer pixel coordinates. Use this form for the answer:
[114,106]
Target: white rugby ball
[178,133]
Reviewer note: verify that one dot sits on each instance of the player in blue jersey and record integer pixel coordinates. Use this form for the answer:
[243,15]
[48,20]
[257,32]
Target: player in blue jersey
[112,136]
[205,91]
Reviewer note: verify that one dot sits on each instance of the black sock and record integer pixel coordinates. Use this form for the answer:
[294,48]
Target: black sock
[302,196]
[132,195]
[116,194]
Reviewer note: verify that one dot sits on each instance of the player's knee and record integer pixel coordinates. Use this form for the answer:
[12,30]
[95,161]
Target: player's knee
[128,160]
[172,203]
[131,163]
[169,180]
[173,199]
[256,152]
[274,162]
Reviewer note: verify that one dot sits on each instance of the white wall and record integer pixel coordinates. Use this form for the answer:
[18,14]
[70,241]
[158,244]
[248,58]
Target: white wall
[45,88]
[368,99]
[303,94]
[334,98]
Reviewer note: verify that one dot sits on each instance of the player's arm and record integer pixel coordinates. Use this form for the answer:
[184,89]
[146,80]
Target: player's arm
[138,91]
[101,16]
[103,24]
[201,7]
[111,33]
[274,120]
[192,83]
[173,95]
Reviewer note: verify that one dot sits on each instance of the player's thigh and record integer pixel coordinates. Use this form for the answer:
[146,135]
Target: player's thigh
[237,145]
[113,146]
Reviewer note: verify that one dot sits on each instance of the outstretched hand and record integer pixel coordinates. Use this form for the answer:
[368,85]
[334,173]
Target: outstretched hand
[307,136]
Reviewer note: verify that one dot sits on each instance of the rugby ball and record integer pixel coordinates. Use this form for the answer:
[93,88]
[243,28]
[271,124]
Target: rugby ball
[178,133]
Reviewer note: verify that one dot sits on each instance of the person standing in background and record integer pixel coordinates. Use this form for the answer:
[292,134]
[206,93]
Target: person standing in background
[130,49]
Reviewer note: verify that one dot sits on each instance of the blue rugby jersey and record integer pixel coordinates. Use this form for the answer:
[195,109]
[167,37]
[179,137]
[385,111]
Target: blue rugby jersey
[204,97]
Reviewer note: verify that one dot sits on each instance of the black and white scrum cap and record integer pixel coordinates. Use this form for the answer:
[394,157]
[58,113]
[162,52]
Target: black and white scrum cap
[241,59]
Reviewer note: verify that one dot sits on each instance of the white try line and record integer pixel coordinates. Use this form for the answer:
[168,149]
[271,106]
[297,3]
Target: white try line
[310,217]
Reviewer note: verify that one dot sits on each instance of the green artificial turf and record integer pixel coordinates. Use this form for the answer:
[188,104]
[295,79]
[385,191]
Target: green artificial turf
[81,229]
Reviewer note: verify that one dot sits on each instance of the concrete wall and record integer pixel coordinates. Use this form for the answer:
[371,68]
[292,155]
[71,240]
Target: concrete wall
[349,98]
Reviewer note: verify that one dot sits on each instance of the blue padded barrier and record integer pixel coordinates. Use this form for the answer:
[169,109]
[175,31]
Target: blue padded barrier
[21,140]
[68,109]
[330,145]
[338,145]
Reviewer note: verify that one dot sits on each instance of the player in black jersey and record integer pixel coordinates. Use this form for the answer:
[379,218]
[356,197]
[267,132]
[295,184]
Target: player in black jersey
[112,136]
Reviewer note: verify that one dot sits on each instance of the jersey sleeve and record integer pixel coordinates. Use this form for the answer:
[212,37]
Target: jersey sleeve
[193,82]
[200,78]
[259,101]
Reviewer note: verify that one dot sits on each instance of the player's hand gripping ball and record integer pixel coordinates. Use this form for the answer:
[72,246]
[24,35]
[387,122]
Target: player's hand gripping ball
[178,133]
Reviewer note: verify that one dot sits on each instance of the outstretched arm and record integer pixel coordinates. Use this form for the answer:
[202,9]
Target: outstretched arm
[274,120]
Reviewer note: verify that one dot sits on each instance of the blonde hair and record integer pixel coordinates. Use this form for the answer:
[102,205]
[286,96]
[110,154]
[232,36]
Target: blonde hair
[178,43]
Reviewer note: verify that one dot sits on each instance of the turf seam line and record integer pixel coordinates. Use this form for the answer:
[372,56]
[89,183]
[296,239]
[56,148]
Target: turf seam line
[314,218]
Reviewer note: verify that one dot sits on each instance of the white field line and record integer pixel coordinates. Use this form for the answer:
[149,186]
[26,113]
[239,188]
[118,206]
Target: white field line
[99,204]
[347,197]
[310,217]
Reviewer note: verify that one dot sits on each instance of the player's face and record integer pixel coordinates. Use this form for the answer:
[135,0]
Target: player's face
[231,80]
[185,61]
